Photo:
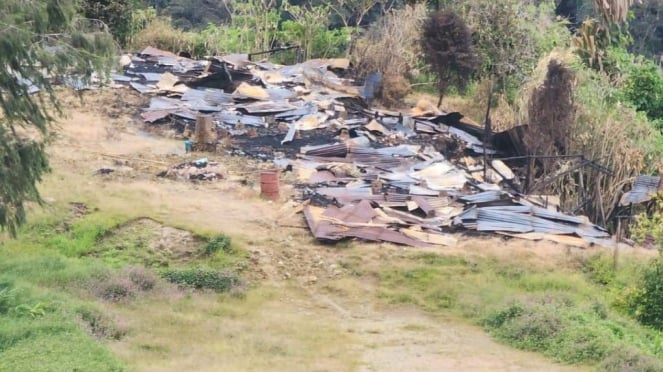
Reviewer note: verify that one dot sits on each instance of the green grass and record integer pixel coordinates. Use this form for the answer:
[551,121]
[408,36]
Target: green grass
[564,313]
[54,279]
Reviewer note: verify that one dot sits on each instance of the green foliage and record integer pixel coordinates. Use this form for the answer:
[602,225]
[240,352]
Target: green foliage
[643,87]
[650,225]
[192,14]
[252,28]
[116,14]
[40,41]
[203,278]
[559,312]
[646,301]
[629,359]
[531,326]
[68,349]
[511,36]
[99,324]
[7,296]
[219,243]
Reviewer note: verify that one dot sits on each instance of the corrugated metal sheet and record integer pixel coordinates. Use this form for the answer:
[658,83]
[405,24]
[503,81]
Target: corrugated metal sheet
[483,197]
[495,220]
[643,189]
[378,234]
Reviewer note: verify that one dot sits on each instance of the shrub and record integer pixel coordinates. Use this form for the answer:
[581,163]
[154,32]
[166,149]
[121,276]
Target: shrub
[7,297]
[649,225]
[141,277]
[219,243]
[646,302]
[529,327]
[580,344]
[124,285]
[99,324]
[644,88]
[203,278]
[629,359]
[117,289]
[160,33]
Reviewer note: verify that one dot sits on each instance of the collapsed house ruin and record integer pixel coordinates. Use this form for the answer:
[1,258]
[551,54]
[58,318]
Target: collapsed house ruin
[409,177]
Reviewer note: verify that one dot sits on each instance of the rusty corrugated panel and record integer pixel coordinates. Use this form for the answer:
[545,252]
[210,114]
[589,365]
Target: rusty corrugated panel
[320,228]
[359,213]
[424,205]
[381,234]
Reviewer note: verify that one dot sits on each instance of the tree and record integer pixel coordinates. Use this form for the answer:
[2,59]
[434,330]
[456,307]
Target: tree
[40,41]
[115,13]
[446,43]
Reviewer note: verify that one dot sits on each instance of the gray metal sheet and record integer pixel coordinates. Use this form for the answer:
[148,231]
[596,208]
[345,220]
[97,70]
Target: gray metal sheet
[643,189]
[483,197]
[234,118]
[150,76]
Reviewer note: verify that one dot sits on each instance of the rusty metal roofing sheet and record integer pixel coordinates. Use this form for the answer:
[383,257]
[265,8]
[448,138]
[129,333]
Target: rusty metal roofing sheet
[320,228]
[361,212]
[382,234]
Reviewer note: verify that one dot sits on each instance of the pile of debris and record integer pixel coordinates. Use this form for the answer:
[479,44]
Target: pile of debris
[410,178]
[199,170]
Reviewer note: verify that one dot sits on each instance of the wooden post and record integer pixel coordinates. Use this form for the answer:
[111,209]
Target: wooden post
[204,134]
[615,253]
[486,129]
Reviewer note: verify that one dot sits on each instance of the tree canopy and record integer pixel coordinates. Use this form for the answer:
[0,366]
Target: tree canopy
[41,41]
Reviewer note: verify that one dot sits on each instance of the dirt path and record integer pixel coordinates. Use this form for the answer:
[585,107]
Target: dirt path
[365,334]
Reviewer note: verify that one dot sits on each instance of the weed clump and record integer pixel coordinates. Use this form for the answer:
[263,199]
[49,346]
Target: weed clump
[646,302]
[219,243]
[116,290]
[100,325]
[203,278]
[629,359]
[526,326]
[140,277]
[7,297]
[126,284]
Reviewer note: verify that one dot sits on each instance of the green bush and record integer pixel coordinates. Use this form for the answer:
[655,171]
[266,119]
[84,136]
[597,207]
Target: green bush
[7,297]
[630,359]
[644,88]
[600,269]
[203,278]
[219,243]
[647,302]
[99,324]
[528,327]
